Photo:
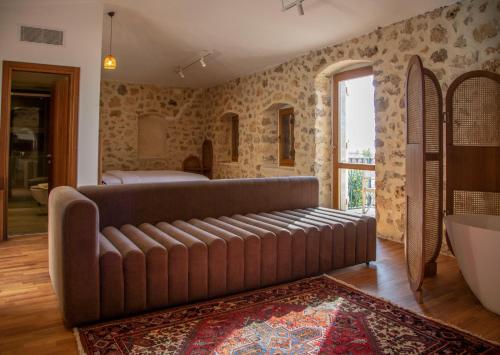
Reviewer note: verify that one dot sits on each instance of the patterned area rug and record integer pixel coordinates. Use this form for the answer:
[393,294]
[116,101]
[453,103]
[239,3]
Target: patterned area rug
[317,315]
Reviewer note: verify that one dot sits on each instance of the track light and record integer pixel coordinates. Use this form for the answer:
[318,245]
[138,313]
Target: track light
[200,59]
[300,8]
[296,3]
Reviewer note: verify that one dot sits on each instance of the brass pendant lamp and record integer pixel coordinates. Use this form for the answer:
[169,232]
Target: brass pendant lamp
[110,60]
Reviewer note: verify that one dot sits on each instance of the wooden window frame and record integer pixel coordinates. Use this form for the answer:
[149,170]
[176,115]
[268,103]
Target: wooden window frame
[336,164]
[281,114]
[71,146]
[235,138]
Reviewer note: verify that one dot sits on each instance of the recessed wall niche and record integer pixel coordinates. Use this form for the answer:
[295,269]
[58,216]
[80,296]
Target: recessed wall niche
[154,135]
[227,139]
[270,134]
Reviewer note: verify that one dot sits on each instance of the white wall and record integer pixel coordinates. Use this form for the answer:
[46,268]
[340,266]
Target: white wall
[81,21]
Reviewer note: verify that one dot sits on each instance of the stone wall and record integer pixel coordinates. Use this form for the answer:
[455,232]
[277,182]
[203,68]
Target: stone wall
[179,126]
[450,41]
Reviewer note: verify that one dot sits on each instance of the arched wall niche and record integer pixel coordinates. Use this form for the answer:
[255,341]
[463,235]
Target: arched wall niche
[223,138]
[269,133]
[156,133]
[323,124]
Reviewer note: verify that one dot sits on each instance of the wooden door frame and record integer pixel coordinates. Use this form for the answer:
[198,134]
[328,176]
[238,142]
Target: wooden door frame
[285,111]
[235,138]
[73,74]
[336,165]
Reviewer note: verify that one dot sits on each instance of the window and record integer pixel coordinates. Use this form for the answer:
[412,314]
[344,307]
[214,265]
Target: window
[235,137]
[286,124]
[354,141]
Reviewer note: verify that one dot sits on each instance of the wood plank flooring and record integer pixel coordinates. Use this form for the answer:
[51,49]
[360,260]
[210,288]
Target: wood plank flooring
[30,322]
[29,220]
[25,215]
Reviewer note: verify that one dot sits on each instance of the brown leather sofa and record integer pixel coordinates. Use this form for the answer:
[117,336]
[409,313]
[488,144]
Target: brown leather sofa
[120,250]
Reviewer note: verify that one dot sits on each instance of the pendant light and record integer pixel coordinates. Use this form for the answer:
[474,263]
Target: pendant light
[110,60]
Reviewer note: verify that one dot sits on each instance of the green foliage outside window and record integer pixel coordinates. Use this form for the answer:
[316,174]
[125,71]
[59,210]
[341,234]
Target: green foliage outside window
[355,184]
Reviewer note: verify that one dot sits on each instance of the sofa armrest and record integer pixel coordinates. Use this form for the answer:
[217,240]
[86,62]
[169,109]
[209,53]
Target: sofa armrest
[74,254]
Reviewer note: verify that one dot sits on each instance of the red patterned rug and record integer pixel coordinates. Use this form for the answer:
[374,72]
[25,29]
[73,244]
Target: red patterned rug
[311,316]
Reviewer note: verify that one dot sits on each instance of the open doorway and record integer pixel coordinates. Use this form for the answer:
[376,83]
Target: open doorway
[38,148]
[354,141]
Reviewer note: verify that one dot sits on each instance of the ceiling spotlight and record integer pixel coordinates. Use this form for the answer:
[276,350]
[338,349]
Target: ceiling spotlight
[289,5]
[300,8]
[199,60]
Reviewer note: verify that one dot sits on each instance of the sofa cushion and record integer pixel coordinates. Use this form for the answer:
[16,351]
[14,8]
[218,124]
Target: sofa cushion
[111,279]
[134,269]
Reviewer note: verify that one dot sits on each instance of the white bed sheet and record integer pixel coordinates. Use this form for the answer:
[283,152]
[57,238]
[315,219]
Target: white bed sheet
[120,177]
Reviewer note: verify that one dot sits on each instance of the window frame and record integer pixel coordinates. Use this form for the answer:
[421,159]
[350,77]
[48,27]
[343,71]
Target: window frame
[336,164]
[282,113]
[235,138]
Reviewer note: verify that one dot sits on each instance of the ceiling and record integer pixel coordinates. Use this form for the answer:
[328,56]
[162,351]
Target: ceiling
[153,37]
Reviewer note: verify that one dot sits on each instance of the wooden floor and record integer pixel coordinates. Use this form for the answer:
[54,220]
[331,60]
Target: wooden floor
[30,322]
[23,221]
[25,216]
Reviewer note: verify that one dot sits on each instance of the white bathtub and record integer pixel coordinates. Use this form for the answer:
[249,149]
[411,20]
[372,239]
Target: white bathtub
[476,243]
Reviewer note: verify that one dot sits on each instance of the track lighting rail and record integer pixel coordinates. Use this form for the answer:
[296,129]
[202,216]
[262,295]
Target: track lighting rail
[295,3]
[201,60]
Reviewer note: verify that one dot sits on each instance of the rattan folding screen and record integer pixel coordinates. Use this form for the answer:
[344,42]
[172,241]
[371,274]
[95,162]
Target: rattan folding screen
[424,173]
[472,159]
[473,144]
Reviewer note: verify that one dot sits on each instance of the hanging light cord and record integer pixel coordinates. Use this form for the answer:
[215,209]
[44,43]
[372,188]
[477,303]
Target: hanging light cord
[111,14]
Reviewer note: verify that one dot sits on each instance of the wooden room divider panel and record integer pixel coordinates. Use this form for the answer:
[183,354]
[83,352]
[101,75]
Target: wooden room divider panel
[415,173]
[473,144]
[424,172]
[433,214]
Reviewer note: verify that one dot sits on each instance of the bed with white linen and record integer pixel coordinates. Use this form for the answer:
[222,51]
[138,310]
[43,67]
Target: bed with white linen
[120,177]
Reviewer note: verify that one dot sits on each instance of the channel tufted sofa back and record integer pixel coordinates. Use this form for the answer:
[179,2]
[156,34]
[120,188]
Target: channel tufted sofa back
[140,203]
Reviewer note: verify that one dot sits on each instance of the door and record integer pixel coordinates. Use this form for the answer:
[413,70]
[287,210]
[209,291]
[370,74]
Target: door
[63,130]
[354,141]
